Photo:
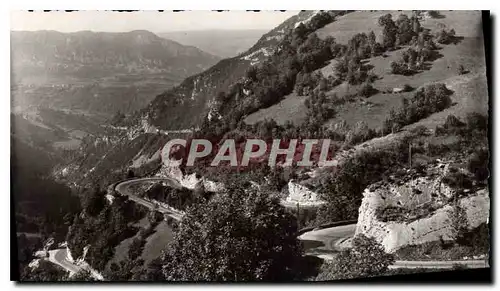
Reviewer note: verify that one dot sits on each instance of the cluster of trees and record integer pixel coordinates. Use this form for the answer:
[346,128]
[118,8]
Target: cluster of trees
[408,31]
[299,53]
[45,272]
[446,37]
[400,32]
[367,90]
[360,133]
[42,205]
[177,198]
[319,107]
[242,235]
[306,83]
[102,226]
[349,68]
[414,59]
[426,101]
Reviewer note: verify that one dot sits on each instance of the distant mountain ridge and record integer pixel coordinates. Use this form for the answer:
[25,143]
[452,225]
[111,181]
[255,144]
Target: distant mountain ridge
[93,54]
[223,43]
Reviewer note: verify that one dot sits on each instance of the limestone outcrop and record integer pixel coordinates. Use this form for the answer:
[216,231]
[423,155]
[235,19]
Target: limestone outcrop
[433,199]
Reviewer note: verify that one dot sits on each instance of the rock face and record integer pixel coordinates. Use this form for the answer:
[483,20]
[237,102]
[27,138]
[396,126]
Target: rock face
[301,194]
[189,181]
[435,226]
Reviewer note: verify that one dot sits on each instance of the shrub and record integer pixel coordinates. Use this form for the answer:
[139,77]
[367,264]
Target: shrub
[446,37]
[367,90]
[390,213]
[155,216]
[457,180]
[390,31]
[367,258]
[477,238]
[461,70]
[401,69]
[476,121]
[434,14]
[426,101]
[408,88]
[478,164]
[147,231]
[136,247]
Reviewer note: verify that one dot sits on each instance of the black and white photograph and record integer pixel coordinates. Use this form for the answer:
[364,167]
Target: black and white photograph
[277,146]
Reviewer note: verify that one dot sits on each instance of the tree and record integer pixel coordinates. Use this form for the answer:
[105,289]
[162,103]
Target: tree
[367,90]
[415,24]
[239,235]
[136,247]
[405,29]
[374,45]
[367,258]
[301,31]
[434,14]
[130,174]
[461,70]
[94,201]
[121,271]
[478,164]
[389,32]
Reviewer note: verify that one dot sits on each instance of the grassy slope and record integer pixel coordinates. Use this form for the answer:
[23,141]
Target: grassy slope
[465,23]
[157,242]
[291,108]
[121,250]
[470,90]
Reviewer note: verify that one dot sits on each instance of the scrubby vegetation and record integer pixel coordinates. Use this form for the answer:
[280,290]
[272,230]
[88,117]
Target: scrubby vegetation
[476,244]
[176,198]
[367,258]
[45,272]
[404,214]
[426,101]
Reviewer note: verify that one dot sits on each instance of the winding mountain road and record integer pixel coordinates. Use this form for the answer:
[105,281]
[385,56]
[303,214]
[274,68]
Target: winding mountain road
[60,257]
[334,239]
[124,189]
[329,240]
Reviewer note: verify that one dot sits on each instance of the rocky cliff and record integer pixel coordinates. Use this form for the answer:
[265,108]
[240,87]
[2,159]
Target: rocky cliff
[422,217]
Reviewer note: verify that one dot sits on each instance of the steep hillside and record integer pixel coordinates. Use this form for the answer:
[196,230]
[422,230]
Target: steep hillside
[185,106]
[329,89]
[188,104]
[223,43]
[468,52]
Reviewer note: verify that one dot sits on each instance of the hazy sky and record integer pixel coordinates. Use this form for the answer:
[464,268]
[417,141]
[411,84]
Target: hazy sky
[149,20]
